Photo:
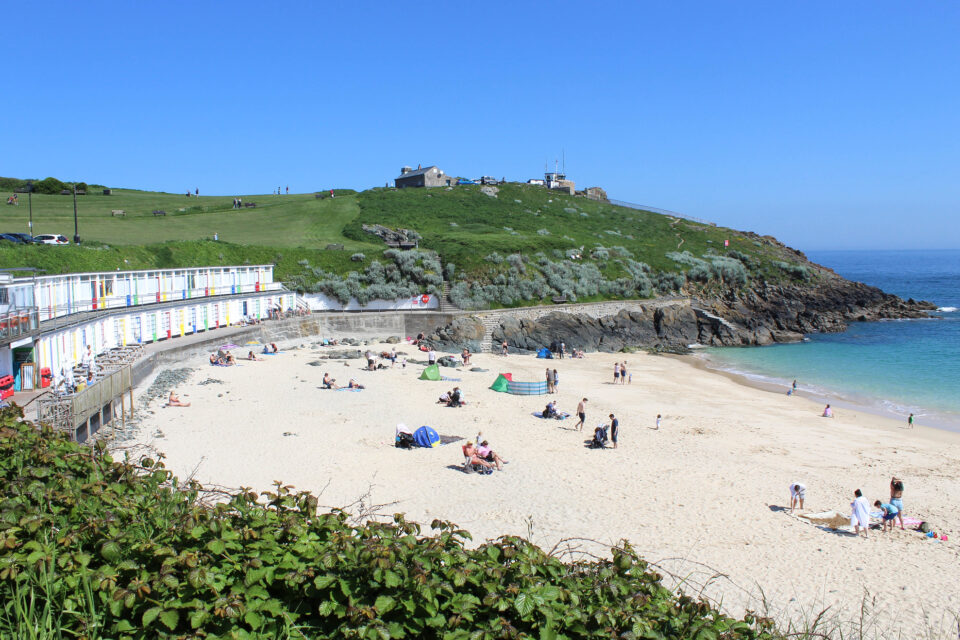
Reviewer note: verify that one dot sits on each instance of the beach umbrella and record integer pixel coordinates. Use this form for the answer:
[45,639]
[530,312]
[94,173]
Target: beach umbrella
[229,345]
[426,437]
[252,342]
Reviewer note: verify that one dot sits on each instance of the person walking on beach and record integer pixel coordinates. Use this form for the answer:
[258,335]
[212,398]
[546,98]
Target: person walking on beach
[861,514]
[503,348]
[910,421]
[797,494]
[432,357]
[623,372]
[614,430]
[616,372]
[582,414]
[659,417]
[896,498]
[549,381]
[556,381]
[563,348]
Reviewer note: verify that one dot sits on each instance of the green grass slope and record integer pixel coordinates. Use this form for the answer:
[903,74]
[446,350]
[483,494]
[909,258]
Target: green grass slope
[622,252]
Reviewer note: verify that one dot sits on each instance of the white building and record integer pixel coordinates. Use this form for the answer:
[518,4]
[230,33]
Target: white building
[114,309]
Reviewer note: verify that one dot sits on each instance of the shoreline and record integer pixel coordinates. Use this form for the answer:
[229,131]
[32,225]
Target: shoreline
[932,419]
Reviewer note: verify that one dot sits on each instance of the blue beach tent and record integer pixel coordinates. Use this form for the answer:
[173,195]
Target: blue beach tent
[544,353]
[426,437]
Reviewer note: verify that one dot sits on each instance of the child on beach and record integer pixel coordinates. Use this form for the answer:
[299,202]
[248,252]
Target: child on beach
[861,514]
[827,412]
[174,401]
[889,514]
[797,494]
[657,428]
[896,497]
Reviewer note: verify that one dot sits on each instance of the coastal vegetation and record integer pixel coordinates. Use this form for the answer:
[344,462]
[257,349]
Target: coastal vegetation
[92,547]
[523,245]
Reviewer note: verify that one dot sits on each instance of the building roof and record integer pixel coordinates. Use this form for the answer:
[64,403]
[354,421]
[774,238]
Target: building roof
[417,172]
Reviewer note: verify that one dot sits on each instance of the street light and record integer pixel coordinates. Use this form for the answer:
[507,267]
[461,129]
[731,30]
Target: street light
[30,200]
[76,234]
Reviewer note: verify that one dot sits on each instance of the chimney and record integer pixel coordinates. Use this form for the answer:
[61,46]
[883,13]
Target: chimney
[405,170]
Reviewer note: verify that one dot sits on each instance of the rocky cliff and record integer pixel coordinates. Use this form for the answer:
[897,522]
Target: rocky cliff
[758,314]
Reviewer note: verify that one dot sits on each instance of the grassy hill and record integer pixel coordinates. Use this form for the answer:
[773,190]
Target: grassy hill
[520,247]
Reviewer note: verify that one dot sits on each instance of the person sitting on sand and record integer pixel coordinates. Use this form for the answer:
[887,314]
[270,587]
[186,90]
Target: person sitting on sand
[470,453]
[456,398]
[550,411]
[889,514]
[174,401]
[273,347]
[214,360]
[445,397]
[353,384]
[488,454]
[252,356]
[827,412]
[228,358]
[328,382]
[465,356]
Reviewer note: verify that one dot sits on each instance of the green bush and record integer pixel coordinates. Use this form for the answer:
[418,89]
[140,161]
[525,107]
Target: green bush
[50,186]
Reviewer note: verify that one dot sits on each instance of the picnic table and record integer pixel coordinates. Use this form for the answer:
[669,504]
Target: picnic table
[159,212]
[118,212]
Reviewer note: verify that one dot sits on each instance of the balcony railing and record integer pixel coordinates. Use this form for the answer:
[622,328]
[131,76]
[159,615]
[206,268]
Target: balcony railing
[18,322]
[136,300]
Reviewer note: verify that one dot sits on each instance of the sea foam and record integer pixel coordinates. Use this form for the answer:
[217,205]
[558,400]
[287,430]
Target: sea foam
[946,309]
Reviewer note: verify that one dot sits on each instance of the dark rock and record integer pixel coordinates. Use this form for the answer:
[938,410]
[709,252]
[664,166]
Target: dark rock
[393,340]
[465,332]
[447,361]
[479,369]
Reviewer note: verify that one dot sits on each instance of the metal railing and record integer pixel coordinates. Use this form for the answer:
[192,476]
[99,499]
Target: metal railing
[18,322]
[68,412]
[139,300]
[665,212]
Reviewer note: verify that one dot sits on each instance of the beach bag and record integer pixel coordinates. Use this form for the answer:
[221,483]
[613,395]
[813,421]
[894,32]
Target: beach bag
[404,441]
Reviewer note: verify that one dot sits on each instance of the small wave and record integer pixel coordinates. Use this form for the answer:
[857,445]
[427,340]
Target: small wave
[946,309]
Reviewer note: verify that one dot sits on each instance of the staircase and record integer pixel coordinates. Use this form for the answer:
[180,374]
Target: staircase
[490,322]
[445,304]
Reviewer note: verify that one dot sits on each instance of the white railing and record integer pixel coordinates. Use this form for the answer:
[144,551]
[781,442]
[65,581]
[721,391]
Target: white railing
[138,300]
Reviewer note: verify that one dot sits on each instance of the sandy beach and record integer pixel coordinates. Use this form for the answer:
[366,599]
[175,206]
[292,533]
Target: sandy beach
[703,497]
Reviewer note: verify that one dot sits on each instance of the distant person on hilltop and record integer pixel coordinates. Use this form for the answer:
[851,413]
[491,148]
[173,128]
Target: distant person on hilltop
[288,189]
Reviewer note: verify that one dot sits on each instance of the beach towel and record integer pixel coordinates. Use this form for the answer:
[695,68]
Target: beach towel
[448,379]
[347,389]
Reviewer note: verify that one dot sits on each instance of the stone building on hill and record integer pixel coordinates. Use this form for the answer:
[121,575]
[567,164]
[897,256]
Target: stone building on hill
[429,177]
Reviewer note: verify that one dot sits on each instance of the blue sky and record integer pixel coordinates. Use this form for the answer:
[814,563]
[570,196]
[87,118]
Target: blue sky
[828,124]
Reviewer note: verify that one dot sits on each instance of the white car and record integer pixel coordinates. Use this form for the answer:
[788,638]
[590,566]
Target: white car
[52,238]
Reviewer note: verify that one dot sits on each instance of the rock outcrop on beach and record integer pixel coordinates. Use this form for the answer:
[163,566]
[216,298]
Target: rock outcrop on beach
[757,314]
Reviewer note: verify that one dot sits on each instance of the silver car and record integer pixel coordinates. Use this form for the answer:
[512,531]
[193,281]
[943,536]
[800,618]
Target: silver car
[52,238]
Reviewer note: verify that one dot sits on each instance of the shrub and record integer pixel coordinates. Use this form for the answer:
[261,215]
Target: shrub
[794,270]
[543,232]
[358,257]
[50,186]
[668,281]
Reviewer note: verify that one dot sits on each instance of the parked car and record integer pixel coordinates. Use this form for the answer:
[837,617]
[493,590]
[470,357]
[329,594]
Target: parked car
[26,238]
[52,238]
[465,181]
[9,237]
[489,180]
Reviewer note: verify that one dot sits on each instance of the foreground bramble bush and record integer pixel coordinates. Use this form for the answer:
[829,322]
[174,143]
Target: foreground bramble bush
[94,548]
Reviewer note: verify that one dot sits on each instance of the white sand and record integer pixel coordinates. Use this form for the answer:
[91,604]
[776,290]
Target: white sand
[700,496]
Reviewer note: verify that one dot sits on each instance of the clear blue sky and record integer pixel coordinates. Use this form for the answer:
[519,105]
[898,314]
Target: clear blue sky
[828,124]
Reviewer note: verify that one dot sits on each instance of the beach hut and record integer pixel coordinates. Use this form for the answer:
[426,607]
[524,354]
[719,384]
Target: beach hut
[432,372]
[544,353]
[426,437]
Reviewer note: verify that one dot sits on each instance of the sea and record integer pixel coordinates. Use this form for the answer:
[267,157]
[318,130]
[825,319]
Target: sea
[890,367]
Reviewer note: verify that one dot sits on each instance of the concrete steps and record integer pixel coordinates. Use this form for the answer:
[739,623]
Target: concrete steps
[490,322]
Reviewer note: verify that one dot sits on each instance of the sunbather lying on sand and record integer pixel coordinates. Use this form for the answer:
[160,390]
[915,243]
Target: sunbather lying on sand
[252,356]
[353,384]
[174,401]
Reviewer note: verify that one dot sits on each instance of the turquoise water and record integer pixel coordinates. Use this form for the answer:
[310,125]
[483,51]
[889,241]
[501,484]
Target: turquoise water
[898,366]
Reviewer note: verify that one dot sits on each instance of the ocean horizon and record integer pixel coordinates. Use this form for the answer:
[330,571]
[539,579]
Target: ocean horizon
[893,367]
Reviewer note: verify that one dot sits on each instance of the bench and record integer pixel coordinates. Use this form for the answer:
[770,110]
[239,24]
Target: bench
[559,299]
[159,212]
[118,212]
[250,205]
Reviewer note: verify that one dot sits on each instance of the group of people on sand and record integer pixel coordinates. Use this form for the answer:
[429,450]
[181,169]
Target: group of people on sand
[890,511]
[481,454]
[222,358]
[452,398]
[330,382]
[620,375]
[553,380]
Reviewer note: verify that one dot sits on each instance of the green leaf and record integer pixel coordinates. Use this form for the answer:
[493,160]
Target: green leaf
[326,607]
[391,579]
[253,619]
[111,551]
[150,615]
[124,625]
[322,582]
[170,618]
[197,618]
[385,604]
[216,546]
[524,604]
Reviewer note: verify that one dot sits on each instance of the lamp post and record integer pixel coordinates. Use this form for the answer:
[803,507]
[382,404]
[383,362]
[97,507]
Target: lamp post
[76,234]
[30,201]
